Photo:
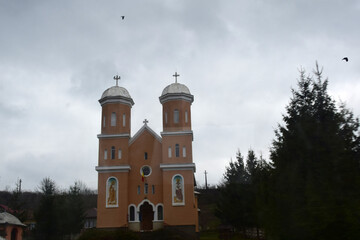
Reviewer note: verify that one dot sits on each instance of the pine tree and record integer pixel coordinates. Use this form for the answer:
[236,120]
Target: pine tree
[75,210]
[315,183]
[46,215]
[239,204]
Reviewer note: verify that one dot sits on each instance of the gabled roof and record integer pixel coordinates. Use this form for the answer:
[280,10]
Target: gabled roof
[141,130]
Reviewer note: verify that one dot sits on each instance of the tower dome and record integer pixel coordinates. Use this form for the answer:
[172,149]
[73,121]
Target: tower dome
[176,91]
[116,91]
[176,88]
[116,94]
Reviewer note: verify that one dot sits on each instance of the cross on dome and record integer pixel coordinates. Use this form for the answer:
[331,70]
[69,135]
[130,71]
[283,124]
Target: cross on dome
[176,75]
[117,78]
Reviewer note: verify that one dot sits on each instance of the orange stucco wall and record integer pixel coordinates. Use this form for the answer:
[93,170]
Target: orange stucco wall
[145,143]
[119,109]
[168,109]
[113,216]
[179,215]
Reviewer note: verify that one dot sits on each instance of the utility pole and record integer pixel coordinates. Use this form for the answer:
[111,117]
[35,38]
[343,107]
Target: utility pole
[206,179]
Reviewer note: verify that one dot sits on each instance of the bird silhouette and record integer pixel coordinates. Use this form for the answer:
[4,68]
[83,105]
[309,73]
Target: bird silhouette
[346,59]
[122,17]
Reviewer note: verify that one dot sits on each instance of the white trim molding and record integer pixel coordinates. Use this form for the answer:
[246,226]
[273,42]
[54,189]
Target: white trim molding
[178,166]
[124,135]
[117,99]
[176,96]
[177,133]
[122,168]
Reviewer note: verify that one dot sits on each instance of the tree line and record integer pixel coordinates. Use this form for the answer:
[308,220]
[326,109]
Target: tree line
[310,186]
[58,214]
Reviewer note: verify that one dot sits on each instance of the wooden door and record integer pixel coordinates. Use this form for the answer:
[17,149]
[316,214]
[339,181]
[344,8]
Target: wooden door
[147,217]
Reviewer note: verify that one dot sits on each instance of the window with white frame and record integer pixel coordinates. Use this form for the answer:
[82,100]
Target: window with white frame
[169,152]
[119,154]
[176,116]
[177,150]
[146,188]
[105,154]
[112,152]
[132,213]
[160,213]
[113,119]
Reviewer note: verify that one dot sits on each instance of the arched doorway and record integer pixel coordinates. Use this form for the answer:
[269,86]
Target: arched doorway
[147,217]
[14,234]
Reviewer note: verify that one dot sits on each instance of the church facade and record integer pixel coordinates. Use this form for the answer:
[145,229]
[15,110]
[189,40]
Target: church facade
[146,181]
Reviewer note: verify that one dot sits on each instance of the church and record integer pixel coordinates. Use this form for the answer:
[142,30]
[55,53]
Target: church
[146,180]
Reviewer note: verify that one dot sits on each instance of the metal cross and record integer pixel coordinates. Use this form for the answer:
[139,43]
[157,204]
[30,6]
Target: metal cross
[145,121]
[176,75]
[117,78]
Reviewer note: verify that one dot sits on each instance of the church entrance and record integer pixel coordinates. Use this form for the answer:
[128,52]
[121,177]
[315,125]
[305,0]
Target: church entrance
[147,217]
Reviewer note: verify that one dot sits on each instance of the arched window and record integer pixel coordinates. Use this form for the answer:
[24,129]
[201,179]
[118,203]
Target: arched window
[113,119]
[146,188]
[105,154]
[112,192]
[178,193]
[132,213]
[176,116]
[177,150]
[112,152]
[160,213]
[119,154]
[169,152]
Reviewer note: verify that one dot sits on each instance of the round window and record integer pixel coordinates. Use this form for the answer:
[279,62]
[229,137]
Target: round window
[146,170]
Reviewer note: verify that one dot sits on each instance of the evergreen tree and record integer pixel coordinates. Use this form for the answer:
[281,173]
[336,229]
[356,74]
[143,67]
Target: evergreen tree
[239,205]
[75,210]
[46,215]
[315,187]
[230,207]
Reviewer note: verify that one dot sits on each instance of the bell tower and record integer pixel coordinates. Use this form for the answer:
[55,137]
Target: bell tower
[177,163]
[113,165]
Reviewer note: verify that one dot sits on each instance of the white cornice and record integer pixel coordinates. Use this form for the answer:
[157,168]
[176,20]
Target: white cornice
[177,133]
[178,166]
[176,96]
[122,135]
[117,99]
[122,168]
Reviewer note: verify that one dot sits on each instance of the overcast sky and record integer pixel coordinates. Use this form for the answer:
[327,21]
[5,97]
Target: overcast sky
[239,59]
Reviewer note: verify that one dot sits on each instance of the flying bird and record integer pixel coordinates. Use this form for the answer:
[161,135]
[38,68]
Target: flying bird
[346,59]
[122,17]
